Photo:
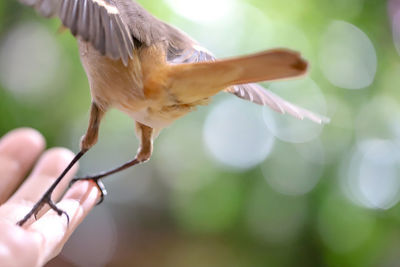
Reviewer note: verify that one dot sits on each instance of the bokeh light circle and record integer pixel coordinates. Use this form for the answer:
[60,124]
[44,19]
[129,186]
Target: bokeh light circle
[338,136]
[206,11]
[291,172]
[29,56]
[181,157]
[304,93]
[378,118]
[347,56]
[235,134]
[372,178]
[312,151]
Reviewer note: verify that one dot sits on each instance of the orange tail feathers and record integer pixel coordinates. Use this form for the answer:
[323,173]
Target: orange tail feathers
[200,80]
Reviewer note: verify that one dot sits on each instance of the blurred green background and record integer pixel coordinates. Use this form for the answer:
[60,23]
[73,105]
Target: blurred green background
[233,184]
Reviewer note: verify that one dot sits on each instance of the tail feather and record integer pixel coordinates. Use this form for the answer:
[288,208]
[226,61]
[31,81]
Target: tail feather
[195,81]
[205,79]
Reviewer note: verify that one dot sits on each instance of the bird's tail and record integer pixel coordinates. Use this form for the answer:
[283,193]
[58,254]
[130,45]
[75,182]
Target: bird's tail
[196,81]
[201,80]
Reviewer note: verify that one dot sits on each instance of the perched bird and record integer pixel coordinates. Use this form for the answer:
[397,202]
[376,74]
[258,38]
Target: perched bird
[156,73]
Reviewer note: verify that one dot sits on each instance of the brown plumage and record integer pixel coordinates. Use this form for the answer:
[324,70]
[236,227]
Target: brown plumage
[156,73]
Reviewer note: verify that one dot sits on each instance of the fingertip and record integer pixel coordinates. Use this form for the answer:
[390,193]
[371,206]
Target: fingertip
[85,192]
[31,134]
[60,152]
[21,142]
[94,195]
[77,190]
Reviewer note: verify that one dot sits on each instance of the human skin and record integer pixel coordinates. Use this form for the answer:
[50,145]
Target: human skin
[38,241]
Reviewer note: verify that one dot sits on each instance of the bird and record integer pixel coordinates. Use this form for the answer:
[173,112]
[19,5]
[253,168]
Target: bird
[156,73]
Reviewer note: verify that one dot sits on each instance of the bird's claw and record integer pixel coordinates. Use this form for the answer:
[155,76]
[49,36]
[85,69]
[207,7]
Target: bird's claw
[60,212]
[36,209]
[98,183]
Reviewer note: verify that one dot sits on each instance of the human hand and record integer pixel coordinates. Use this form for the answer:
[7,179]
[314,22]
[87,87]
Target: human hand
[41,240]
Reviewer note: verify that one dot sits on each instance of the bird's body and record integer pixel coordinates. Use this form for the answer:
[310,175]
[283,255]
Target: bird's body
[156,73]
[130,56]
[136,89]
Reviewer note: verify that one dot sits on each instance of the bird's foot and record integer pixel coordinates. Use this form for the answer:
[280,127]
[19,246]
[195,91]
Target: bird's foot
[98,183]
[46,199]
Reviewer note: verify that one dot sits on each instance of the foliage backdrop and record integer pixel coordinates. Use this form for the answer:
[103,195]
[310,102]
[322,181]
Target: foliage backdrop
[233,184]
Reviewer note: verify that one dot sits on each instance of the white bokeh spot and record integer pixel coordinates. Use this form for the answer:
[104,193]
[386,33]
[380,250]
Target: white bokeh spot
[29,56]
[235,134]
[304,93]
[347,57]
[290,172]
[372,178]
[204,11]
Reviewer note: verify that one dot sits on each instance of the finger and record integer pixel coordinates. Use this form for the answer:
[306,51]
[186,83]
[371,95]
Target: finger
[78,201]
[48,168]
[19,149]
[18,248]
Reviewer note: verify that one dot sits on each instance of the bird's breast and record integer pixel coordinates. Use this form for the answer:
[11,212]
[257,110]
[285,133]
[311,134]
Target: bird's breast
[112,83]
[159,116]
[140,89]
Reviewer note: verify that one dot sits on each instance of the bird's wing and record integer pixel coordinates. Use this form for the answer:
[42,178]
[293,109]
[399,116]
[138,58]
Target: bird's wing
[183,49]
[189,54]
[113,27]
[251,91]
[259,95]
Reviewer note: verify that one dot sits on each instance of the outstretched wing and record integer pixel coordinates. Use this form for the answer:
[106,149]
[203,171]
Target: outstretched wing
[100,22]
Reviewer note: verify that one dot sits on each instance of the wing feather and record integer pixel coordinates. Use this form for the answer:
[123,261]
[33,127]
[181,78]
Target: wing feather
[259,95]
[83,20]
[124,31]
[72,16]
[96,21]
[108,34]
[99,41]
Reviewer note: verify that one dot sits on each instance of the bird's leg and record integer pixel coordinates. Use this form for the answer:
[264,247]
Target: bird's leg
[145,150]
[88,140]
